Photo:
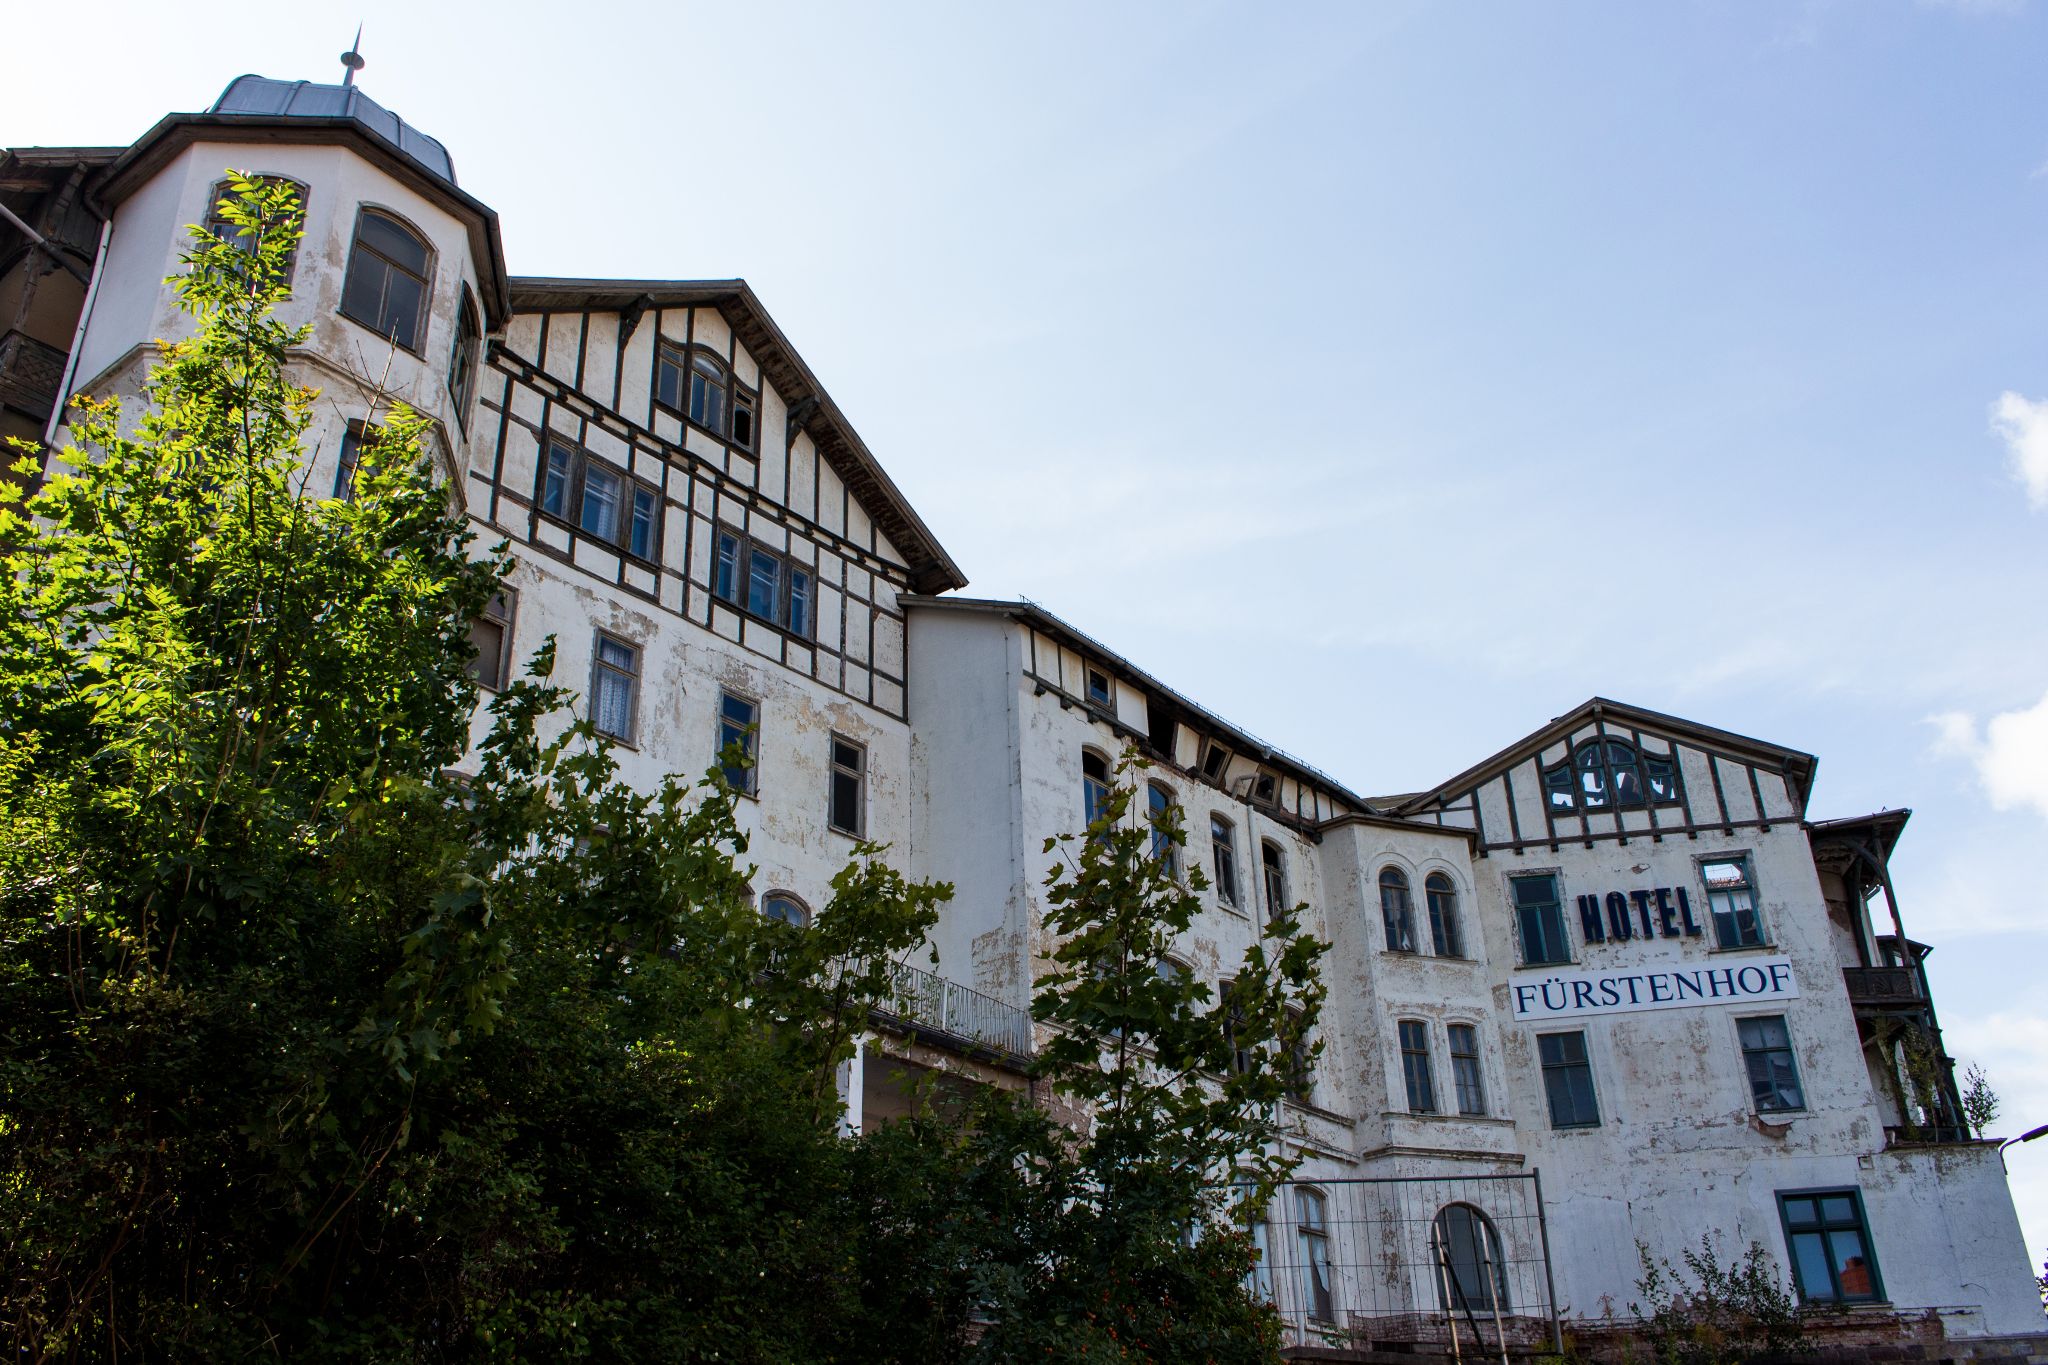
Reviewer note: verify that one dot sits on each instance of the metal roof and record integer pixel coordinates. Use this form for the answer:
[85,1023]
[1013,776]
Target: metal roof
[306,99]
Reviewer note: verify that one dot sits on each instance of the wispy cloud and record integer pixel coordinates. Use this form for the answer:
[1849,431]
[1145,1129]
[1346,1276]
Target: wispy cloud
[2022,423]
[2010,753]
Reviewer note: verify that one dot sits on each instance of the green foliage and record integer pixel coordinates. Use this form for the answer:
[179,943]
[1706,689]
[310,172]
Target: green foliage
[1980,1101]
[1726,1315]
[313,1047]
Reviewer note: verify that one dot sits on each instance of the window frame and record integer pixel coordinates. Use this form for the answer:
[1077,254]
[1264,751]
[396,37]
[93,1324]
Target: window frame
[1418,1076]
[1585,1060]
[1556,905]
[227,232]
[1273,878]
[1394,879]
[748,737]
[465,358]
[1165,850]
[502,610]
[1467,1065]
[1571,766]
[1444,929]
[803,920]
[424,321]
[1312,1236]
[1747,862]
[1750,1053]
[738,593]
[1823,1228]
[859,773]
[1223,861]
[570,517]
[600,667]
[1299,1078]
[1104,698]
[683,358]
[357,436]
[1491,1248]
[1095,786]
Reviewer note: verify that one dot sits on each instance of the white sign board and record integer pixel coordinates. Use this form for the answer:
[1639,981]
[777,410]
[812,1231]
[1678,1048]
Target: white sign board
[1574,995]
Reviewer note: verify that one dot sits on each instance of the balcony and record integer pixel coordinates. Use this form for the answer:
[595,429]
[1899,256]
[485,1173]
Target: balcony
[1884,987]
[1920,1134]
[30,374]
[952,1015]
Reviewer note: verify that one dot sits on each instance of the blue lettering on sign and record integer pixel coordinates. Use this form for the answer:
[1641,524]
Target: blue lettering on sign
[1762,982]
[1692,926]
[1609,995]
[1582,995]
[1717,979]
[1665,910]
[1642,900]
[1778,968]
[1573,993]
[1618,922]
[1680,981]
[1589,919]
[1522,994]
[1659,990]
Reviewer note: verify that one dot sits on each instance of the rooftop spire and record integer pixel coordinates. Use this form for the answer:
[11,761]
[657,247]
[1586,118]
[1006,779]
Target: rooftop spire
[353,59]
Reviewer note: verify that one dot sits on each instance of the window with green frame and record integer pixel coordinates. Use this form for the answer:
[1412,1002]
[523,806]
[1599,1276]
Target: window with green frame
[1829,1241]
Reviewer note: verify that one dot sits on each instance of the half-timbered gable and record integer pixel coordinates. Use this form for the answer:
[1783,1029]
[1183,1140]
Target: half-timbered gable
[1608,771]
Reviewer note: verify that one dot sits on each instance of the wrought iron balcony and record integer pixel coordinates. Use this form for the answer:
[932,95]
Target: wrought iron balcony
[925,1002]
[1883,986]
[30,374]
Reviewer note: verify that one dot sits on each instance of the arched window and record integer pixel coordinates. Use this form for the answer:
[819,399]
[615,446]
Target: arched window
[1312,1231]
[1273,868]
[1443,915]
[707,392]
[1467,1248]
[1094,786]
[1223,855]
[217,221]
[780,905]
[386,287]
[1600,774]
[1398,910]
[1159,810]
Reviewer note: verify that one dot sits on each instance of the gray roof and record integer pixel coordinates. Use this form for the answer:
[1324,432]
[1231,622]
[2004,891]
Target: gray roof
[305,99]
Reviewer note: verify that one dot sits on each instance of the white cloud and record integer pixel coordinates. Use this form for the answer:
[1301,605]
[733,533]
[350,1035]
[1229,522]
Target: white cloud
[2023,425]
[2010,754]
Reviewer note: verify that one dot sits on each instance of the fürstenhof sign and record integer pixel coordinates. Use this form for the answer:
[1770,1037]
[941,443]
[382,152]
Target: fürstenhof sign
[1756,980]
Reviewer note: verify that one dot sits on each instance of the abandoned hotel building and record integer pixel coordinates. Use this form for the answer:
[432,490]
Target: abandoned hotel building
[1610,984]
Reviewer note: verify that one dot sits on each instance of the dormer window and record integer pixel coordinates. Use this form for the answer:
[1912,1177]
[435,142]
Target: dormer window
[1100,691]
[1215,762]
[1601,774]
[386,288]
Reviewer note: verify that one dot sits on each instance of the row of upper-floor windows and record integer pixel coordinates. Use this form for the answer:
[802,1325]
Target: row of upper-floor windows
[617,670]
[387,287]
[1733,916]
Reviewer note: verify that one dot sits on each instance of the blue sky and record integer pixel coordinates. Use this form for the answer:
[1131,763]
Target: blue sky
[1392,377]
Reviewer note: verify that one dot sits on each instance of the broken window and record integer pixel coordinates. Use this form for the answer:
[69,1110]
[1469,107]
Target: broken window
[1397,910]
[1215,760]
[1540,917]
[1601,773]
[1273,866]
[1465,1073]
[1415,1067]
[1312,1230]
[1731,901]
[490,640]
[1767,1054]
[385,288]
[1223,854]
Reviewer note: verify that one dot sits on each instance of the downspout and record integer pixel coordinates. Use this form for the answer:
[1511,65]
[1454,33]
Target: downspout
[92,294]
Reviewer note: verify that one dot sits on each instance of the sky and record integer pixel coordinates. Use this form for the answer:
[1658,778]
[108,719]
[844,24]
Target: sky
[1389,377]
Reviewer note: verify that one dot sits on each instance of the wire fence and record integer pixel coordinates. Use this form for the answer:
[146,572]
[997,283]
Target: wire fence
[1456,1263]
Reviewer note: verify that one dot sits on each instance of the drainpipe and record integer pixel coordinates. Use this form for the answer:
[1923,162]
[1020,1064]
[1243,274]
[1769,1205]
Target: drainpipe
[92,294]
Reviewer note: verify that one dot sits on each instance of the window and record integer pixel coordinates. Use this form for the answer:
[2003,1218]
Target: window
[1258,1281]
[1568,1080]
[785,909]
[1442,896]
[738,741]
[766,584]
[696,384]
[742,419]
[849,787]
[1465,1075]
[1223,856]
[1094,786]
[1415,1067]
[217,222]
[1215,761]
[707,393]
[469,335]
[609,504]
[614,687]
[1273,870]
[354,440]
[1301,1075]
[1731,900]
[1832,1261]
[1467,1246]
[1266,789]
[1598,774]
[1540,917]
[1397,911]
[1767,1053]
[1312,1229]
[1233,1025]
[1100,692]
[1159,808]
[490,639]
[386,285]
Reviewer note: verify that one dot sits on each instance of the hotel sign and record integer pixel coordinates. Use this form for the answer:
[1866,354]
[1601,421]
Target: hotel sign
[1574,995]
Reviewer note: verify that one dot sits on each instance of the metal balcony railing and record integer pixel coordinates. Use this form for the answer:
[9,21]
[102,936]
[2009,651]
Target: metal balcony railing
[927,1001]
[1883,985]
[30,374]
[1915,1134]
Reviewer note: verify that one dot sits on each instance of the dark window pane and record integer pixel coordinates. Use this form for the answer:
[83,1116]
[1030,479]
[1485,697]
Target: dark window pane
[799,601]
[743,427]
[404,297]
[554,494]
[668,381]
[645,510]
[845,801]
[764,577]
[362,294]
[726,577]
[394,242]
[487,639]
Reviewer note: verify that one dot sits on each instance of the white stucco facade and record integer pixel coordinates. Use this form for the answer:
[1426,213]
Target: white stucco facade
[781,570]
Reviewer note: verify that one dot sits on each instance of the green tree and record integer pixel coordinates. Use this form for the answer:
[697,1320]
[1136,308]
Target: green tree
[311,1044]
[1980,1101]
[1715,1314]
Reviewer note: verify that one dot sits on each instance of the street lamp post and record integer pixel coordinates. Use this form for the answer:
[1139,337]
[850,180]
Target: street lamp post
[2027,1136]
